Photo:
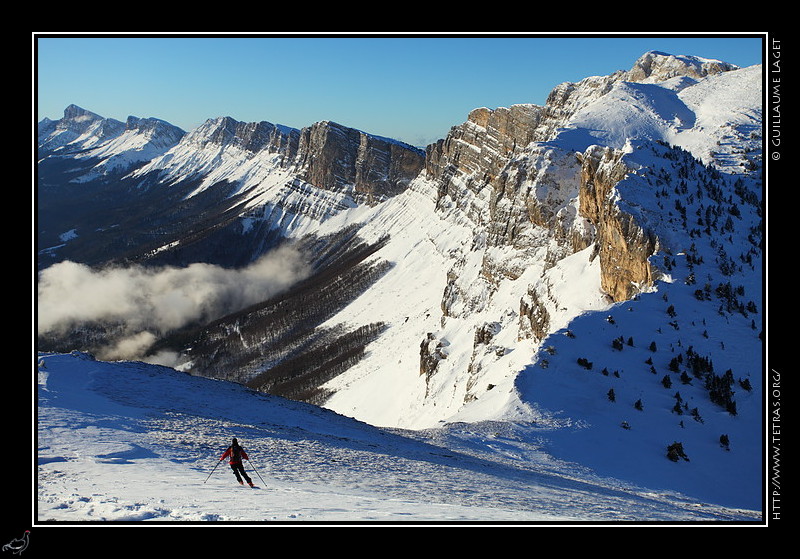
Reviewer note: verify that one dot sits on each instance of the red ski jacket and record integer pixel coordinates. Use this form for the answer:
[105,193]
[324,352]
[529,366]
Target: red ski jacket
[236,457]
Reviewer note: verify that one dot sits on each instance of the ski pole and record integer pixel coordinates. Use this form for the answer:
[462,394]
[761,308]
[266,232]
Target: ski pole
[212,471]
[256,471]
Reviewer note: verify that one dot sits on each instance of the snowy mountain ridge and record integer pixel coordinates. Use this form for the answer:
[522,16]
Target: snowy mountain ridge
[117,145]
[480,277]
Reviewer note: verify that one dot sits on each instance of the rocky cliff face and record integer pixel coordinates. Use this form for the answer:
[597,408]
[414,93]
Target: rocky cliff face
[532,201]
[624,247]
[519,197]
[251,137]
[336,158]
[481,147]
[496,169]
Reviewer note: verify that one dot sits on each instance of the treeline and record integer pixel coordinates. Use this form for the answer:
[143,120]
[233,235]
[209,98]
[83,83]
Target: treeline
[279,346]
[300,376]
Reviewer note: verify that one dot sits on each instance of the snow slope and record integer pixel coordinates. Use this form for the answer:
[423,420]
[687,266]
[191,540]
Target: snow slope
[130,442]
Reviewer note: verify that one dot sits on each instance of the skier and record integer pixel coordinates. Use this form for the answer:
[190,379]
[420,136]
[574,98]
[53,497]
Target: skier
[236,454]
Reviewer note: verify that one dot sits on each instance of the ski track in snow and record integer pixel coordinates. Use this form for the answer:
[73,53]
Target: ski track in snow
[119,442]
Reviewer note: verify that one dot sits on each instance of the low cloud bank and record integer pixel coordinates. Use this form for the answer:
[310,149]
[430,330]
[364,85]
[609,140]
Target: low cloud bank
[150,302]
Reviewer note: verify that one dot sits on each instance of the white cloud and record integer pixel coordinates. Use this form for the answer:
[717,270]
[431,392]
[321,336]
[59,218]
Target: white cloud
[148,302]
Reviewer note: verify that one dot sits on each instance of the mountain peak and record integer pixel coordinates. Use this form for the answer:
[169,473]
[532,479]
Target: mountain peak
[78,127]
[657,66]
[74,112]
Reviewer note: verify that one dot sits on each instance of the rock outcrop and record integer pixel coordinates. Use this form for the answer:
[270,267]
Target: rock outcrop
[660,66]
[534,317]
[431,352]
[624,247]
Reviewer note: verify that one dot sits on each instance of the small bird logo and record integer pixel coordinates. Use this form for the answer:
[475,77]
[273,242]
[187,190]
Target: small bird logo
[18,545]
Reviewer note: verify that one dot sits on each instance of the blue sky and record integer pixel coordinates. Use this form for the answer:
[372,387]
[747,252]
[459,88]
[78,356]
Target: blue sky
[409,88]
